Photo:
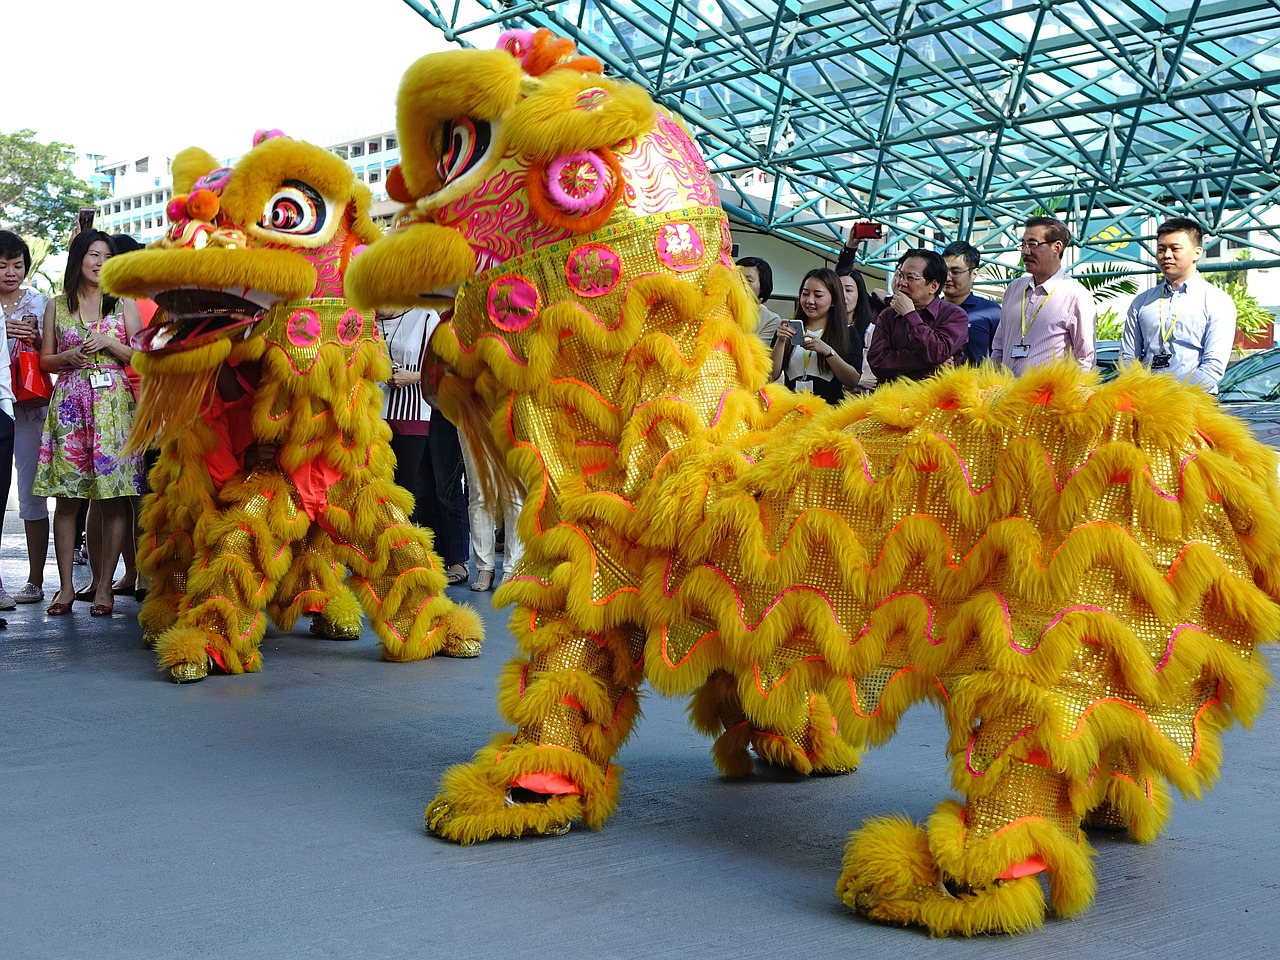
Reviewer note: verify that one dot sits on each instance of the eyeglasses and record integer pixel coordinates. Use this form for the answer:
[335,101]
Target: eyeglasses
[1033,244]
[908,277]
[958,271]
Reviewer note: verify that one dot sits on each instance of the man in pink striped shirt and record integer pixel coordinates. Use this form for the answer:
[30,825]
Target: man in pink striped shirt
[1045,314]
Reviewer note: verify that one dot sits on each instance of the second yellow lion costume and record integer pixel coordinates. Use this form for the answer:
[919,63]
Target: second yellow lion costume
[261,389]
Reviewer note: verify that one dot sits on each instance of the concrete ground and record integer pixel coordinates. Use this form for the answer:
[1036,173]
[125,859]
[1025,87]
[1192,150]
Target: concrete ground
[279,815]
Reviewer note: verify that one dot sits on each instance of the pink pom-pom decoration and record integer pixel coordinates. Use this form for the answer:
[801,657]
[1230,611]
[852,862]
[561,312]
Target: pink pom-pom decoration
[262,136]
[518,43]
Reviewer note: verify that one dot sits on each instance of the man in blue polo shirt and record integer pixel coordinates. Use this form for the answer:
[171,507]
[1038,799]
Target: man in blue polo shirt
[1185,325]
[984,315]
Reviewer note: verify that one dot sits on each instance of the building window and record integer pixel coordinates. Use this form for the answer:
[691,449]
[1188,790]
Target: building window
[141,165]
[117,208]
[357,150]
[341,151]
[374,146]
[147,223]
[374,176]
[128,204]
[391,143]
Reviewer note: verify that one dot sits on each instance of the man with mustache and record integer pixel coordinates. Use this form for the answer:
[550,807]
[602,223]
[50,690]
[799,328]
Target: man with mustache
[1045,314]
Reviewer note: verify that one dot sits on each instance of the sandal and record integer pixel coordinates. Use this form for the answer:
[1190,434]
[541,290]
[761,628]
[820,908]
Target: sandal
[456,574]
[483,581]
[58,608]
[101,609]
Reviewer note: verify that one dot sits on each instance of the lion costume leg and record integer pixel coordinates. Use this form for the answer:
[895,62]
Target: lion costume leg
[1034,764]
[573,700]
[181,495]
[810,743]
[240,557]
[315,584]
[396,576]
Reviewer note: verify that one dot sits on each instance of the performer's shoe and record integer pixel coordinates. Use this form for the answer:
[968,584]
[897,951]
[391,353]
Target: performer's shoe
[188,672]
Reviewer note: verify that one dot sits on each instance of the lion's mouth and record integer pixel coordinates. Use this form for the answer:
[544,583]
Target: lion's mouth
[193,316]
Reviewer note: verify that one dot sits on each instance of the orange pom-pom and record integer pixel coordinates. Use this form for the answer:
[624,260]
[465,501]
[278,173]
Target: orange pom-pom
[203,205]
[397,189]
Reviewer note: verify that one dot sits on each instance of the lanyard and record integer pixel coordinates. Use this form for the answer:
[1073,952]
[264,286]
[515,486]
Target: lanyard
[1025,324]
[806,355]
[1167,332]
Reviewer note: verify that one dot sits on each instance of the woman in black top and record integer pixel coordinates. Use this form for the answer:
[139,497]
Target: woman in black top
[817,352]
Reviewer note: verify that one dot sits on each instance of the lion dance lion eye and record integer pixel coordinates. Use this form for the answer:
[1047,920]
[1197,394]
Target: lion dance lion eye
[466,142]
[296,208]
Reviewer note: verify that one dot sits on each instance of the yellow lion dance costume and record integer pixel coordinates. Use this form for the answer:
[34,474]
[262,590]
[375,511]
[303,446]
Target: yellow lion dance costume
[260,387]
[1076,574]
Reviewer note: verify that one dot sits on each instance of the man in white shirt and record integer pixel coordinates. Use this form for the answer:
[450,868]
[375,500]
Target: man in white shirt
[1185,325]
[1045,314]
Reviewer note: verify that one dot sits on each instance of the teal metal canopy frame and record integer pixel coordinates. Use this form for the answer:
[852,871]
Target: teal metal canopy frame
[954,119]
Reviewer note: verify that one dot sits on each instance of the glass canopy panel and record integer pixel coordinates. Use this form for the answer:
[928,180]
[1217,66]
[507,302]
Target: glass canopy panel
[953,119]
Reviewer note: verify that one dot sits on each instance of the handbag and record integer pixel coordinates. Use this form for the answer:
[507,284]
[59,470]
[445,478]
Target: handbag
[31,385]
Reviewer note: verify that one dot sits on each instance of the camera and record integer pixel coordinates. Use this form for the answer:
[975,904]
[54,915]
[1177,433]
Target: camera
[868,230]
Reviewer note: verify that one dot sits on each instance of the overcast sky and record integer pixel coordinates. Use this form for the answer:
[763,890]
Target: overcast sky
[135,75]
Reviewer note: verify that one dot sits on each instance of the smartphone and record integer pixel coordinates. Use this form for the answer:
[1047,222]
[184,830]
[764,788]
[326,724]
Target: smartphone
[86,218]
[868,230]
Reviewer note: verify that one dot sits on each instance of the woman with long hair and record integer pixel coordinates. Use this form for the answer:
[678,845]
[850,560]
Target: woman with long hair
[817,352]
[86,343]
[862,314]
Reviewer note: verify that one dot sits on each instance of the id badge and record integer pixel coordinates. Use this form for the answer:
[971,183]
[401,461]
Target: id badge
[1161,360]
[1019,351]
[804,386]
[99,379]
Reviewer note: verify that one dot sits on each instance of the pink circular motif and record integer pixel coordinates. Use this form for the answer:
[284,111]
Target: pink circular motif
[679,246]
[513,302]
[593,269]
[578,182]
[304,328]
[350,327]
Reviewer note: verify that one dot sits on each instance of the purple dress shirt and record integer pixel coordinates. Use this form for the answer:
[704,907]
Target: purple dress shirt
[915,345]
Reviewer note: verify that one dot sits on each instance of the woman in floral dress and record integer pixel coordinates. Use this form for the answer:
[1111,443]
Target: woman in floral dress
[90,417]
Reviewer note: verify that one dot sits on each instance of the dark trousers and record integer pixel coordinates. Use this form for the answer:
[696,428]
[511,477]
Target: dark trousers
[431,469]
[444,450]
[6,458]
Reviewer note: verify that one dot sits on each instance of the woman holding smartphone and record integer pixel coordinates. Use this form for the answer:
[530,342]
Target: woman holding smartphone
[86,342]
[817,352]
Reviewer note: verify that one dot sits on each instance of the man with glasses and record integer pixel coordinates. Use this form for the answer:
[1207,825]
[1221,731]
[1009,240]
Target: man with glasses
[1184,326]
[918,332]
[984,315]
[1045,314]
